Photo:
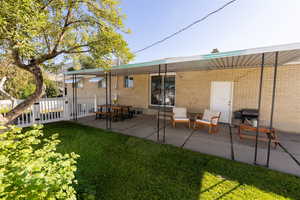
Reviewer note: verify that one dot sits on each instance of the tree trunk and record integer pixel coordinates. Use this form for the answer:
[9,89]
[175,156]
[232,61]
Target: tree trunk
[19,109]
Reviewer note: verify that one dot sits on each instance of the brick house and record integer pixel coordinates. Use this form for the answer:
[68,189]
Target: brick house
[226,81]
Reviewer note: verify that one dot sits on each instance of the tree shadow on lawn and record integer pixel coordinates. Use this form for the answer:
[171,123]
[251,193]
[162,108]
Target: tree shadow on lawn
[233,180]
[218,178]
[115,166]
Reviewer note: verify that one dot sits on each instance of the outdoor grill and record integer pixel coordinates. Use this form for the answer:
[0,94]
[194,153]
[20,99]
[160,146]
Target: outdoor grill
[244,114]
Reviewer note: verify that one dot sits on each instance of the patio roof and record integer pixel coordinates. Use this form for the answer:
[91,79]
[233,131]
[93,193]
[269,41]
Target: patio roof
[224,60]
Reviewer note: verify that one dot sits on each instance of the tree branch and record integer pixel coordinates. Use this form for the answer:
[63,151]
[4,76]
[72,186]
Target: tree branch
[51,55]
[17,59]
[83,21]
[47,42]
[62,33]
[46,5]
[73,52]
[44,58]
[78,46]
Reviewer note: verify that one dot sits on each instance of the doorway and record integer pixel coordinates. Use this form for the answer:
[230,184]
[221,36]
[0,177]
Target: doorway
[221,99]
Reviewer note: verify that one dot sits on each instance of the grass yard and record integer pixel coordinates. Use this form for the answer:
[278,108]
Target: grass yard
[114,166]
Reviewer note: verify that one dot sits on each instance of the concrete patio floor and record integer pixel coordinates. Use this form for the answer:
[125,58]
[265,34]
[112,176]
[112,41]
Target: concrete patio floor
[145,126]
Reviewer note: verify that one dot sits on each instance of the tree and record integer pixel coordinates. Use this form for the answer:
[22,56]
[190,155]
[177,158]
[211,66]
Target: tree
[16,82]
[19,84]
[215,50]
[37,33]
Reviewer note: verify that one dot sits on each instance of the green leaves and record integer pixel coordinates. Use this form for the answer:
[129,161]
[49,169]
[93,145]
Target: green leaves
[45,29]
[31,169]
[36,33]
[20,83]
[20,24]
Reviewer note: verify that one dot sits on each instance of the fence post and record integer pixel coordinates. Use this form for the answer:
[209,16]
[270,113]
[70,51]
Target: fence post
[33,114]
[95,103]
[36,113]
[66,109]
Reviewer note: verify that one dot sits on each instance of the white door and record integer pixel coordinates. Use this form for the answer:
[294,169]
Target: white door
[221,99]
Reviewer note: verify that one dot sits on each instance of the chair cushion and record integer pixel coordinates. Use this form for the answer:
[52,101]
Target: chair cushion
[181,119]
[179,112]
[203,121]
[210,114]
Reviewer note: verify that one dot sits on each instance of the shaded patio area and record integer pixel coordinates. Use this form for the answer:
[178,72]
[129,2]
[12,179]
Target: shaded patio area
[145,126]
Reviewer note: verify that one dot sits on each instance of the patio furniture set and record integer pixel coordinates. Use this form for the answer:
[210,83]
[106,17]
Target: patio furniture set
[115,112]
[248,127]
[209,119]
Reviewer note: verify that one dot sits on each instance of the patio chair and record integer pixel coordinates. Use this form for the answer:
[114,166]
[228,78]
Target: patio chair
[210,119]
[101,112]
[180,116]
[127,112]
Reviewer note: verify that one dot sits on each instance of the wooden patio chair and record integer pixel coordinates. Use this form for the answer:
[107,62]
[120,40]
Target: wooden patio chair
[180,116]
[101,112]
[209,119]
[127,112]
[115,113]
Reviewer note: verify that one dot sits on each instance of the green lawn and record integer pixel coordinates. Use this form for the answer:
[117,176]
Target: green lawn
[115,166]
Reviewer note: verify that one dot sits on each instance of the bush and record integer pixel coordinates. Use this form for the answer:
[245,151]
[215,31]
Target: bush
[27,90]
[52,89]
[31,169]
[4,110]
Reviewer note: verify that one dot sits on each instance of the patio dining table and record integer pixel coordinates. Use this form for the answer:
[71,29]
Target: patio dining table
[115,111]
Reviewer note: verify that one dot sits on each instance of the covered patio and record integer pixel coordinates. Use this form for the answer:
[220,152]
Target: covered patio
[144,126]
[226,143]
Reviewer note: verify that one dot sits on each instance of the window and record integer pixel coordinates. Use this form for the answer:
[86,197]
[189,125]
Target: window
[102,83]
[79,84]
[128,82]
[160,86]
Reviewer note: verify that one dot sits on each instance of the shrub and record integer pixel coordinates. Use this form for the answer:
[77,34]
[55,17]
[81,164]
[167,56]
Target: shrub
[4,110]
[52,89]
[30,167]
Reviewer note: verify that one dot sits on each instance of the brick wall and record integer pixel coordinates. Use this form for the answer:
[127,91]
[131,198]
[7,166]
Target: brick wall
[196,86]
[136,96]
[193,92]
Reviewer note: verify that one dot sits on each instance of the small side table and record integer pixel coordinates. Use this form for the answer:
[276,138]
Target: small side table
[193,117]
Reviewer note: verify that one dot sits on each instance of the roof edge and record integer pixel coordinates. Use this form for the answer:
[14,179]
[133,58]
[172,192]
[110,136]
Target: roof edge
[266,49]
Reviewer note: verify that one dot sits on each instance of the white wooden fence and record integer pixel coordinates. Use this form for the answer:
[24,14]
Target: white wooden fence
[51,110]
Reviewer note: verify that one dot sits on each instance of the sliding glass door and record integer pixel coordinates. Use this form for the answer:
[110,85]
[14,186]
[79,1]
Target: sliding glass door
[158,84]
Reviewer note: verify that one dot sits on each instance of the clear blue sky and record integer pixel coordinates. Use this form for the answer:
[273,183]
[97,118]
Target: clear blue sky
[244,24]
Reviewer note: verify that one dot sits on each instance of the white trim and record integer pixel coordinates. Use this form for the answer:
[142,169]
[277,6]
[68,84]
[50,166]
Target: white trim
[243,52]
[150,89]
[124,81]
[162,74]
[68,81]
[203,59]
[96,79]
